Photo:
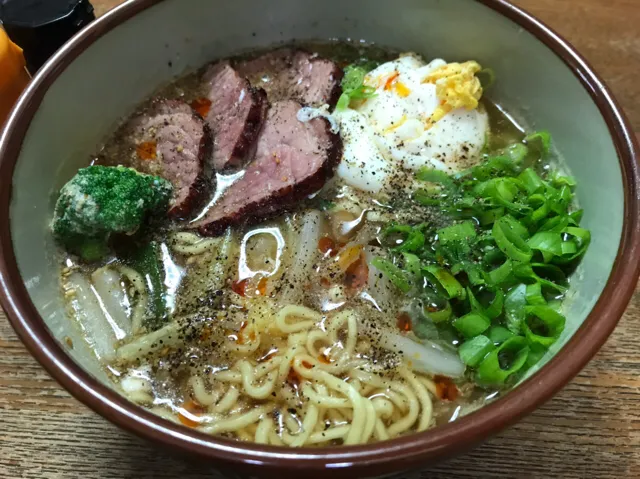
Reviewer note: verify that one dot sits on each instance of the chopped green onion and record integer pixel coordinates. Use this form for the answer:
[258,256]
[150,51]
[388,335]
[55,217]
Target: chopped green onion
[495,307]
[514,304]
[581,241]
[495,279]
[343,102]
[392,273]
[501,274]
[413,242]
[539,142]
[363,93]
[541,203]
[445,281]
[464,231]
[531,181]
[548,243]
[517,152]
[517,227]
[426,198]
[474,304]
[542,325]
[473,351]
[499,334]
[576,217]
[471,324]
[556,224]
[434,176]
[489,217]
[502,192]
[474,273]
[439,315]
[353,87]
[412,264]
[510,241]
[407,238]
[527,272]
[536,352]
[534,294]
[560,181]
[353,77]
[502,362]
[491,167]
[556,305]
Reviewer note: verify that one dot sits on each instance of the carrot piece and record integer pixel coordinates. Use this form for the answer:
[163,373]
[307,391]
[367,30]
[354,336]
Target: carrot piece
[357,273]
[240,287]
[202,106]
[404,322]
[445,388]
[147,150]
[188,413]
[348,256]
[391,79]
[261,290]
[327,245]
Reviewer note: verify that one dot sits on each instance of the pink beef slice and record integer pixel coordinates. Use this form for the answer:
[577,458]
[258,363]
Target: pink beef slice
[236,116]
[293,159]
[294,74]
[180,144]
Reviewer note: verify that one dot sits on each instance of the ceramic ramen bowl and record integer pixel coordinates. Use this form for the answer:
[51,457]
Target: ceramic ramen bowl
[79,96]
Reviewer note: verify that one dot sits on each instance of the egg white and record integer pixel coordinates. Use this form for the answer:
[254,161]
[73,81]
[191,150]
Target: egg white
[390,133]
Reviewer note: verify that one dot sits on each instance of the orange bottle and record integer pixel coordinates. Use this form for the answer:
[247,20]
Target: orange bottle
[13,76]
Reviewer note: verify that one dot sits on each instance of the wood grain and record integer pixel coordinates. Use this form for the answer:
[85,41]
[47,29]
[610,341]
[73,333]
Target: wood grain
[591,429]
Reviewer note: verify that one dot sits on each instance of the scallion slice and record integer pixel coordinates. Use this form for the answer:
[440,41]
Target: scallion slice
[502,362]
[473,351]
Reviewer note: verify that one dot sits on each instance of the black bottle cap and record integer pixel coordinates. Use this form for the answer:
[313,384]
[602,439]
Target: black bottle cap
[40,27]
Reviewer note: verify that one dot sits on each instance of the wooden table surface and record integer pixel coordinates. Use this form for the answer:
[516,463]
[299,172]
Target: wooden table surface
[590,429]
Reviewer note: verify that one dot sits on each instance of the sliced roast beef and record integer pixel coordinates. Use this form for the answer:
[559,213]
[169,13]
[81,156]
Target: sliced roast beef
[293,159]
[294,74]
[236,116]
[170,140]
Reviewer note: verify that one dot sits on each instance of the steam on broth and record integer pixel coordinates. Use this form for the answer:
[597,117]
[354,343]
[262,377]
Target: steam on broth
[376,250]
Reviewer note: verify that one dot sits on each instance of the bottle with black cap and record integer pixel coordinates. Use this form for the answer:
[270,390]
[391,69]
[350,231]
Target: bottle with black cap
[40,27]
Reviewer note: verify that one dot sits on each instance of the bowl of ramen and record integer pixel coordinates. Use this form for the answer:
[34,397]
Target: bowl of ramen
[356,236]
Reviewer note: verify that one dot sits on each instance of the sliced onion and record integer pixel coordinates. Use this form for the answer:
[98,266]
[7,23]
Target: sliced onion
[167,336]
[306,254]
[426,356]
[379,290]
[89,314]
[113,299]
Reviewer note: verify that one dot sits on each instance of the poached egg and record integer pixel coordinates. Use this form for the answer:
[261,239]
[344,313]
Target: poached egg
[421,115]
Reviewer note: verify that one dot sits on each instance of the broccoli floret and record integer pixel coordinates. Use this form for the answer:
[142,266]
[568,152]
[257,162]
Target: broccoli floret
[101,200]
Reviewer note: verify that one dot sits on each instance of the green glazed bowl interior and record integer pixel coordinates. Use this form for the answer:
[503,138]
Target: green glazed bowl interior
[105,71]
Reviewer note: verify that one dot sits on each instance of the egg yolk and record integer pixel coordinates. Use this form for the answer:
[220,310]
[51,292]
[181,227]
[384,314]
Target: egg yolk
[456,87]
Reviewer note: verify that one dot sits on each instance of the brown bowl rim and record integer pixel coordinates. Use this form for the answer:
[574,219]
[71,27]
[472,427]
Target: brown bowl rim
[389,456]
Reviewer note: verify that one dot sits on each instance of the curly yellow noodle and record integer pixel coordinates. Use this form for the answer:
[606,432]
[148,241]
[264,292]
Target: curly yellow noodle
[263,431]
[190,244]
[236,421]
[423,397]
[341,399]
[407,421]
[200,393]
[229,399]
[309,319]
